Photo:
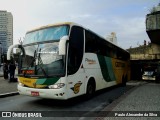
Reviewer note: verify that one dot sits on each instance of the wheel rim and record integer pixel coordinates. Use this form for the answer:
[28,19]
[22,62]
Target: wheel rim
[90,89]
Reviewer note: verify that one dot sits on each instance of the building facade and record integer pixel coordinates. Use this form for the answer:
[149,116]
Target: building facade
[6,31]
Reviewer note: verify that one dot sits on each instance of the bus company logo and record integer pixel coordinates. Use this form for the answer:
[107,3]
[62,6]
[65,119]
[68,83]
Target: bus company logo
[76,88]
[90,61]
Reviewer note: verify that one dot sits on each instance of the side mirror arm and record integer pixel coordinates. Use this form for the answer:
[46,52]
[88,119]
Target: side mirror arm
[10,49]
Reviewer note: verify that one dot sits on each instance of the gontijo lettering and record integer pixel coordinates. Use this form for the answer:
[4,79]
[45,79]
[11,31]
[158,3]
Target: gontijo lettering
[90,61]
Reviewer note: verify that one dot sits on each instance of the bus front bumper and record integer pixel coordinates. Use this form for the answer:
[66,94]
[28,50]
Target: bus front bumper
[59,94]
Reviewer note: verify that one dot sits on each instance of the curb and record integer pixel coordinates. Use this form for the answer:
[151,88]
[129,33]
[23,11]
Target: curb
[8,94]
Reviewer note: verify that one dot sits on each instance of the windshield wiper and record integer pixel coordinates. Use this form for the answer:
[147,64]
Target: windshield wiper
[31,63]
[40,63]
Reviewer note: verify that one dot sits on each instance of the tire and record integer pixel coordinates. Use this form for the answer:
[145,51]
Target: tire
[90,89]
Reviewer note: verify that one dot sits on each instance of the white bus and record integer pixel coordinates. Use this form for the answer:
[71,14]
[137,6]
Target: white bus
[65,60]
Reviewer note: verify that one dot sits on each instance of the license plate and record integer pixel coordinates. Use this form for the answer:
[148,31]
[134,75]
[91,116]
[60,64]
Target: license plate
[33,93]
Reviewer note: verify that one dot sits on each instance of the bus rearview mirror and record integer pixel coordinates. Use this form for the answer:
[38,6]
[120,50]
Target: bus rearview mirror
[62,45]
[16,50]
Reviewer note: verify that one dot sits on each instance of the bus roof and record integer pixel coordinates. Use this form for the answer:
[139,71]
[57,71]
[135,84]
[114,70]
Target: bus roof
[71,24]
[50,25]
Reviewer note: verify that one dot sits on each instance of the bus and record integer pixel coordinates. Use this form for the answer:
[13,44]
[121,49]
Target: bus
[65,60]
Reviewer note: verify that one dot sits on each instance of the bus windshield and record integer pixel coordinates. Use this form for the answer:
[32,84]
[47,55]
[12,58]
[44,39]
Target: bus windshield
[41,52]
[46,34]
[43,60]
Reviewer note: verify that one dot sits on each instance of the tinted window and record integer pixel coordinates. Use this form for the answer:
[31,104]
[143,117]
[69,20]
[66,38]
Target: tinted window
[100,46]
[91,42]
[46,34]
[76,46]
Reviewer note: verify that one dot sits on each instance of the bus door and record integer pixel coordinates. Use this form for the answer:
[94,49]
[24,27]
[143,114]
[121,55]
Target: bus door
[75,73]
[75,70]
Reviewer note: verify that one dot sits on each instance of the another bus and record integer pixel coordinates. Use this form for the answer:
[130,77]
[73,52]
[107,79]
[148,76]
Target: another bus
[65,60]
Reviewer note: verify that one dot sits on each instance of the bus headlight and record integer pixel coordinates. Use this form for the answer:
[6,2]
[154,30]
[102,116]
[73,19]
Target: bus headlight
[57,86]
[20,84]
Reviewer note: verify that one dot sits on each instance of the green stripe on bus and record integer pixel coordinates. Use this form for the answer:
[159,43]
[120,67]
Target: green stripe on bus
[47,81]
[110,68]
[106,68]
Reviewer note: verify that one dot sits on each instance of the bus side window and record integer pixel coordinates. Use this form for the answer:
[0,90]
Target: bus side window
[90,42]
[76,46]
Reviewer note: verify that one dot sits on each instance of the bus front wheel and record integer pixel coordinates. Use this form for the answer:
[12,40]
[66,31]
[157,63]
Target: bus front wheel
[90,89]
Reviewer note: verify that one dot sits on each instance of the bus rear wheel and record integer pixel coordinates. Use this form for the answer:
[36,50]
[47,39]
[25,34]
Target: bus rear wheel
[90,89]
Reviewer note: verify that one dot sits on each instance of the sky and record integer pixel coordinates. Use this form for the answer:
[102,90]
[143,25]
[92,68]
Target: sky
[124,17]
